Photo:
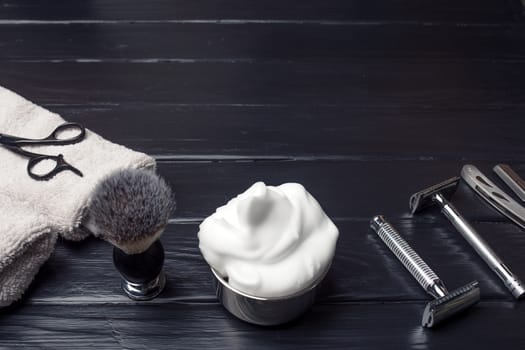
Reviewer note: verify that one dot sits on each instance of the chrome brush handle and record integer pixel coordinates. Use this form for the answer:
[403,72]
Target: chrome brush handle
[408,257]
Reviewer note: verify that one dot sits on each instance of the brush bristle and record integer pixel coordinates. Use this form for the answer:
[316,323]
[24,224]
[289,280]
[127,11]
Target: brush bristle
[130,209]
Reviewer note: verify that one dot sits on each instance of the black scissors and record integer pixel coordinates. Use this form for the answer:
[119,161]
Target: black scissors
[15,144]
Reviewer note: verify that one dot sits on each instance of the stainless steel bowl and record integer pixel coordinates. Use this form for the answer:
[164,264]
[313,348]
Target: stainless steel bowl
[265,311]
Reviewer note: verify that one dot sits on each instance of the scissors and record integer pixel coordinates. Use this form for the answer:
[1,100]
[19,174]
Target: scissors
[15,144]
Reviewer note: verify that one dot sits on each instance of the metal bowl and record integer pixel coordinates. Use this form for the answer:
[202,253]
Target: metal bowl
[265,311]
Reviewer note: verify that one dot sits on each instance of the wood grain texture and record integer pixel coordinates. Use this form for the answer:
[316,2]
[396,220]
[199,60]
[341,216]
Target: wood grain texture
[492,11]
[363,270]
[187,326]
[364,102]
[339,132]
[355,189]
[83,272]
[367,82]
[258,42]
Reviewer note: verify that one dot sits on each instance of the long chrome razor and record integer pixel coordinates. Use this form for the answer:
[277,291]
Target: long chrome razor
[445,304]
[513,180]
[493,195]
[439,195]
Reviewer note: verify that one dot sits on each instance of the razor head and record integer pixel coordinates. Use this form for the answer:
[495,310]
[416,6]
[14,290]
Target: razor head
[456,301]
[423,199]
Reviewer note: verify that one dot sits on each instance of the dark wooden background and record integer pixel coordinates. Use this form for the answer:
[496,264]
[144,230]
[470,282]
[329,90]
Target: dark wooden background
[362,101]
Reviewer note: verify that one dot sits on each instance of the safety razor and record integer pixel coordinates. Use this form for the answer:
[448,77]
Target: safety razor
[439,195]
[445,304]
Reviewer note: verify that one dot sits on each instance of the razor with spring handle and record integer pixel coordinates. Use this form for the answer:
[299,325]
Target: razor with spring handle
[445,304]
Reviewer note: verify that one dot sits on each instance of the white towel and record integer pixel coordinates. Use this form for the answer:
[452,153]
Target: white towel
[33,213]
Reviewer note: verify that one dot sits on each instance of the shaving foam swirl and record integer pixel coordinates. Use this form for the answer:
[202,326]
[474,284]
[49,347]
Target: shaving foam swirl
[269,241]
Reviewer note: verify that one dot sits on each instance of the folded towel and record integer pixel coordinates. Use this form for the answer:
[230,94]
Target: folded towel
[33,213]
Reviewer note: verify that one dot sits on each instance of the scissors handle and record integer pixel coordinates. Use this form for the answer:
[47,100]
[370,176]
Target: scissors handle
[53,138]
[60,165]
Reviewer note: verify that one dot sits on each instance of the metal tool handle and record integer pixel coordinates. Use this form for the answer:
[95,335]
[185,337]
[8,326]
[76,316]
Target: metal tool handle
[493,195]
[480,246]
[513,180]
[408,257]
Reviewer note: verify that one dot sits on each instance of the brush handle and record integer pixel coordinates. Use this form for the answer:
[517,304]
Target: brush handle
[408,257]
[142,275]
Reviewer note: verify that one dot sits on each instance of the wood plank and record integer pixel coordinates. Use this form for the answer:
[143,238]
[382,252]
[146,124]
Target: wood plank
[84,271]
[212,132]
[346,189]
[190,326]
[363,268]
[226,105]
[492,11]
[258,42]
[366,82]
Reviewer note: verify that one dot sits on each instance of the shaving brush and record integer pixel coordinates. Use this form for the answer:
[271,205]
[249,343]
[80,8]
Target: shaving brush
[130,209]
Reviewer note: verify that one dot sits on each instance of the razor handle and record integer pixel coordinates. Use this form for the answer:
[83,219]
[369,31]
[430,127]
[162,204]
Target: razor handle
[408,257]
[511,281]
